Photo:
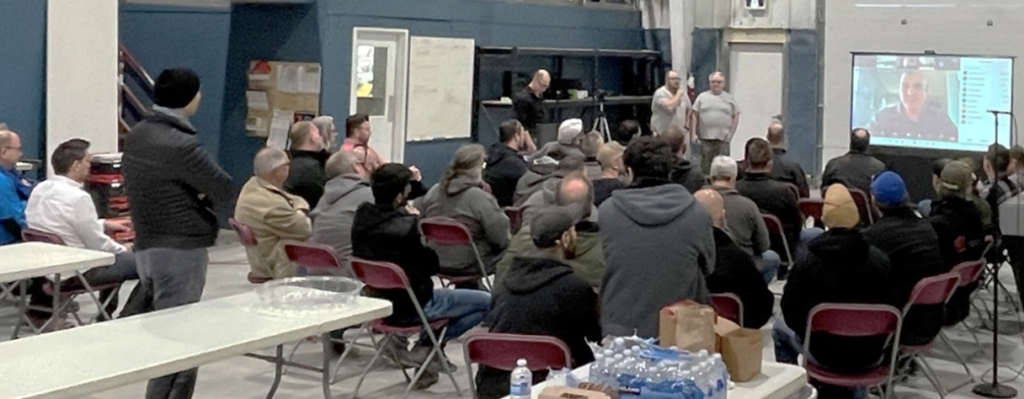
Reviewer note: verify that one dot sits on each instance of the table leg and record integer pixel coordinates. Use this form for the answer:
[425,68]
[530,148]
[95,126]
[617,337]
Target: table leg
[325,338]
[278,371]
[22,308]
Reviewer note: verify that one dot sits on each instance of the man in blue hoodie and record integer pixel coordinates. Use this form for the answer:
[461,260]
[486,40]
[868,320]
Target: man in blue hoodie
[658,243]
[14,189]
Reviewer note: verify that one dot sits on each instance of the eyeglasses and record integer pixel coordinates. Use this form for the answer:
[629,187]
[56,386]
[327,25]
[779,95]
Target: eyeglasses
[717,81]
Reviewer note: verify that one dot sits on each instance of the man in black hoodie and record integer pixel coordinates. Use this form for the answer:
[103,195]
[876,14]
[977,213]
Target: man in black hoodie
[386,231]
[307,178]
[541,295]
[504,164]
[684,172]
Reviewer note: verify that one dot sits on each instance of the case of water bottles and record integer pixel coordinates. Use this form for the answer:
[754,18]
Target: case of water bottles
[639,369]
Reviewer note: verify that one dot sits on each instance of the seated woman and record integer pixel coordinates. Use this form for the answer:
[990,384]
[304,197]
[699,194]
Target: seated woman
[460,196]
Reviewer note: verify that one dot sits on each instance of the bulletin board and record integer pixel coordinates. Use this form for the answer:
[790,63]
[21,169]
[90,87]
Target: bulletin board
[440,88]
[278,95]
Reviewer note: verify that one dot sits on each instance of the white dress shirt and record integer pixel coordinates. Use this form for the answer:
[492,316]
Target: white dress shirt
[61,206]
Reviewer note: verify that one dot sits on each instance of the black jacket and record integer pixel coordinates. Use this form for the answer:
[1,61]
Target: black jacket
[603,189]
[913,249]
[173,184]
[541,296]
[736,273]
[787,171]
[504,168]
[688,174]
[382,233]
[307,177]
[777,199]
[958,224]
[854,170]
[841,267]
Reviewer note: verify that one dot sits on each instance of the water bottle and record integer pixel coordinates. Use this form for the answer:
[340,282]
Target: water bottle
[686,387]
[608,373]
[700,379]
[596,369]
[618,345]
[521,381]
[721,374]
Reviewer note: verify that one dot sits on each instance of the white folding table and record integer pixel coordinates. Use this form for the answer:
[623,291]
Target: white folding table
[23,261]
[81,361]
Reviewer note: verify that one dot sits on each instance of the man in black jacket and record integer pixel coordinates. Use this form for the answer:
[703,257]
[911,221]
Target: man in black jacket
[386,231]
[856,168]
[783,169]
[540,295]
[771,196]
[504,164]
[173,185]
[735,271]
[684,172]
[307,178]
[961,231]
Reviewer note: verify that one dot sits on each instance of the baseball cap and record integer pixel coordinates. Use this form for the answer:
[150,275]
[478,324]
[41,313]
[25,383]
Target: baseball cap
[569,130]
[889,189]
[957,176]
[547,228]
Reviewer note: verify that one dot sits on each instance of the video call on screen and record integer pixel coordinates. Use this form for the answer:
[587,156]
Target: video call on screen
[932,102]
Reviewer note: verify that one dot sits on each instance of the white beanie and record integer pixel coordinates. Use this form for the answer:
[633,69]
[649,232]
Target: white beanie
[569,130]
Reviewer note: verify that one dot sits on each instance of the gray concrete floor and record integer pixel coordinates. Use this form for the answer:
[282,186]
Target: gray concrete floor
[247,378]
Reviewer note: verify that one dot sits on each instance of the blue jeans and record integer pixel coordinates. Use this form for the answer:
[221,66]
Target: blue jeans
[770,262]
[464,309]
[924,207]
[808,234]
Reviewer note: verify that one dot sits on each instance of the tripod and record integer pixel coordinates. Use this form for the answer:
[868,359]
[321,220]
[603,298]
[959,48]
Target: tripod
[601,122]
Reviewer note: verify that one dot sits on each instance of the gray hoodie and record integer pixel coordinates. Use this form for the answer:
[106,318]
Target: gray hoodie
[659,245]
[469,204]
[333,215]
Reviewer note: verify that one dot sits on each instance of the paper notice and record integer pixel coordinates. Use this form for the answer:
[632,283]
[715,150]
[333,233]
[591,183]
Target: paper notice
[256,124]
[309,79]
[279,126]
[288,78]
[257,100]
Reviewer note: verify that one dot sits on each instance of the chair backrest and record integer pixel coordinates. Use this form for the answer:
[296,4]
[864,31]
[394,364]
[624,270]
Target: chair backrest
[380,275]
[796,190]
[777,234]
[312,256]
[41,236]
[729,306]
[515,217]
[855,320]
[244,233]
[863,202]
[445,231]
[969,272]
[989,242]
[935,290]
[812,207]
[501,351]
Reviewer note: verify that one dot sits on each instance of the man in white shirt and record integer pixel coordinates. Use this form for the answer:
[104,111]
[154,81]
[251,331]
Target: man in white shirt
[715,116]
[670,105]
[62,207]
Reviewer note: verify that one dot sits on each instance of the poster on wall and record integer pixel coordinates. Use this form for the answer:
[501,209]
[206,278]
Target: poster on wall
[279,94]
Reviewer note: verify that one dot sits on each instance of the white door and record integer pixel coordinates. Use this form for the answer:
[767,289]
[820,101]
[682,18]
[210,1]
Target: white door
[379,72]
[756,82]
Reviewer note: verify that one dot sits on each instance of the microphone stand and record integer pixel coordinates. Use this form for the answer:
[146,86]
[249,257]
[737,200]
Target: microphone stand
[995,389]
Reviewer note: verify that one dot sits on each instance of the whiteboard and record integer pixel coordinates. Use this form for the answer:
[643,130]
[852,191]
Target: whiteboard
[440,88]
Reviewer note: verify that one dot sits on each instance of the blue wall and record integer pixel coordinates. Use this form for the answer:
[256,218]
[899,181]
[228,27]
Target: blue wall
[23,72]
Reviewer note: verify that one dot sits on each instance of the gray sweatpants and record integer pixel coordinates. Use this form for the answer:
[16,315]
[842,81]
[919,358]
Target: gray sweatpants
[711,149]
[172,277]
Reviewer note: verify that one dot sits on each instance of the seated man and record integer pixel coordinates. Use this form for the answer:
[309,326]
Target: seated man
[538,172]
[504,164]
[60,206]
[588,258]
[856,168]
[913,249]
[684,172]
[628,130]
[960,230]
[613,172]
[273,215]
[590,147]
[523,300]
[309,154]
[771,196]
[784,169]
[347,188]
[545,195]
[840,267]
[14,189]
[570,136]
[735,272]
[658,244]
[743,218]
[385,231]
[357,142]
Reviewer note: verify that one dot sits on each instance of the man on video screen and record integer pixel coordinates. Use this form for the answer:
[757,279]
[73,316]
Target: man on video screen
[914,117]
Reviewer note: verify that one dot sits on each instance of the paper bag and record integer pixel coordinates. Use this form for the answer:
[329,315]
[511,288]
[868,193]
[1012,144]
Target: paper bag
[574,393]
[741,351]
[694,327]
[723,327]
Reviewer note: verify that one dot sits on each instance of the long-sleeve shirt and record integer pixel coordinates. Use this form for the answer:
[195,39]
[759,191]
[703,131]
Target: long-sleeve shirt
[13,194]
[60,206]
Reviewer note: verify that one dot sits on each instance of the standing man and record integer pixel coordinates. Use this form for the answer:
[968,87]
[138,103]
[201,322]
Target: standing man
[174,186]
[715,117]
[14,189]
[670,106]
[309,156]
[528,103]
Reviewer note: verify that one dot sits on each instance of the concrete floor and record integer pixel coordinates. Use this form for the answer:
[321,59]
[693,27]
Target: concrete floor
[247,378]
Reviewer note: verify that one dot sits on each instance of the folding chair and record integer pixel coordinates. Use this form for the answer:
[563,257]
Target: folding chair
[729,306]
[864,205]
[248,240]
[7,291]
[932,291]
[388,276]
[854,320]
[811,208]
[970,273]
[447,232]
[776,233]
[515,217]
[502,351]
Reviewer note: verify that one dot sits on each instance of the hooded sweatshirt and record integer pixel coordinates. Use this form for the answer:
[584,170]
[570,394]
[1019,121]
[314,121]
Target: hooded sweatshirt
[333,216]
[688,174]
[470,205]
[659,245]
[504,169]
[538,172]
[541,296]
[587,262]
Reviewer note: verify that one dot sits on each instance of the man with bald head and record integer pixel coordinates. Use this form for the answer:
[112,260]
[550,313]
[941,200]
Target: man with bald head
[784,169]
[856,169]
[735,271]
[273,215]
[715,115]
[670,106]
[14,189]
[528,103]
[309,155]
[914,117]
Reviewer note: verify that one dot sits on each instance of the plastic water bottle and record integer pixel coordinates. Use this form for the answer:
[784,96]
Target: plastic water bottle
[596,370]
[722,377]
[686,386]
[608,373]
[521,381]
[700,379]
[618,345]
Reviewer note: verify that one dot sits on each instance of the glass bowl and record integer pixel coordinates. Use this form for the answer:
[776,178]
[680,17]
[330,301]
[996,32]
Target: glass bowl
[307,295]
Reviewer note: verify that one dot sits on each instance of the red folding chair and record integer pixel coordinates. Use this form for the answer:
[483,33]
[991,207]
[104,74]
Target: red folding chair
[515,217]
[447,232]
[388,276]
[970,273]
[864,205]
[854,320]
[935,290]
[502,351]
[729,306]
[244,233]
[776,233]
[811,208]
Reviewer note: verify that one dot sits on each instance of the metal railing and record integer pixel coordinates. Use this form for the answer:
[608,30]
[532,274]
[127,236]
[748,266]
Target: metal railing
[131,107]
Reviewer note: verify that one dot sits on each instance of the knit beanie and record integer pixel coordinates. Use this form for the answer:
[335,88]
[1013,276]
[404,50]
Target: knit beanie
[175,88]
[839,212]
[569,130]
[889,189]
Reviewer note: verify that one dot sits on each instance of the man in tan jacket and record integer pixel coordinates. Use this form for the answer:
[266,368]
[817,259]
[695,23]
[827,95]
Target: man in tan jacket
[273,215]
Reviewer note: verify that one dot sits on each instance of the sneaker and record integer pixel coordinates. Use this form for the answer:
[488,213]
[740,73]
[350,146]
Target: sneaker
[436,365]
[427,380]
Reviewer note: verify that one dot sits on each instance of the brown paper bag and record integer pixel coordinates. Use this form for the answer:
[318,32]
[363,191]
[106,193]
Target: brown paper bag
[741,351]
[723,327]
[667,324]
[695,327]
[566,392]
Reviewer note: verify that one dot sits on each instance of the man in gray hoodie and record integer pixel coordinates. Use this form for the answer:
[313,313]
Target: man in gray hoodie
[658,243]
[332,217]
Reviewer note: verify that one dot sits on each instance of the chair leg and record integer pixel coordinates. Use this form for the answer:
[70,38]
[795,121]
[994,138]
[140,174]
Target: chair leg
[931,376]
[348,348]
[325,373]
[369,367]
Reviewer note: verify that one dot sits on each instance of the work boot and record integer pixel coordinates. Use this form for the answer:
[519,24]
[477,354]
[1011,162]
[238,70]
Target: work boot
[427,380]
